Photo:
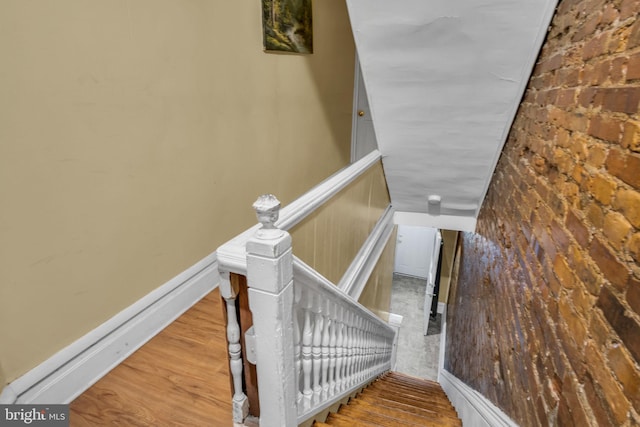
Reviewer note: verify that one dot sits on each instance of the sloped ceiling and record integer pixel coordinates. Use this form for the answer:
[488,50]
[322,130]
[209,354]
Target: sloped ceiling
[444,79]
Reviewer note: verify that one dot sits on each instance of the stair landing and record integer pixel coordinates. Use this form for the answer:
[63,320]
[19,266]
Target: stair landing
[396,399]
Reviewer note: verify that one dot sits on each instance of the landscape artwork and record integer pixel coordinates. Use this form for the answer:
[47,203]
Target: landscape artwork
[287,26]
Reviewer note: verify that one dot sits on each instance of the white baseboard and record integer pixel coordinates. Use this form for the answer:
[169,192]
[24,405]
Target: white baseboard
[441,307]
[72,370]
[473,408]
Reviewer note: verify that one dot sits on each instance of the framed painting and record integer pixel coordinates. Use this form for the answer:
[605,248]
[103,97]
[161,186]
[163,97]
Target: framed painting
[287,26]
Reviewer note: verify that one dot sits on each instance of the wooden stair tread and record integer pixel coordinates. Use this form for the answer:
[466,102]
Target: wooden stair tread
[395,413]
[341,420]
[397,399]
[389,403]
[420,401]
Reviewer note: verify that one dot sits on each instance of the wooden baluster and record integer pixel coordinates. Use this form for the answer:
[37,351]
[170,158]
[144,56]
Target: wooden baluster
[332,351]
[240,404]
[325,356]
[316,352]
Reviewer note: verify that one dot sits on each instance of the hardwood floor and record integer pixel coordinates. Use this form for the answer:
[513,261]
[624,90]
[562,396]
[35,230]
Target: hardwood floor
[179,378]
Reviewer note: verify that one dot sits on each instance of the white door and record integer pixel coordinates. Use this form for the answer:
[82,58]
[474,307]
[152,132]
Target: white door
[431,279]
[414,249]
[363,137]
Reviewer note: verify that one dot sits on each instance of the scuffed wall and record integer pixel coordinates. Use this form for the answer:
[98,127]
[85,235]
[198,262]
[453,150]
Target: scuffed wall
[544,318]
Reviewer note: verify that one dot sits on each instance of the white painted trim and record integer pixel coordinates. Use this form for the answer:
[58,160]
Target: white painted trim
[355,278]
[441,307]
[473,408]
[354,113]
[72,370]
[447,222]
[527,70]
[232,255]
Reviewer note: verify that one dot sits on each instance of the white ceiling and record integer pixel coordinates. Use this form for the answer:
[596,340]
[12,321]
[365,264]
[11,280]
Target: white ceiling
[444,79]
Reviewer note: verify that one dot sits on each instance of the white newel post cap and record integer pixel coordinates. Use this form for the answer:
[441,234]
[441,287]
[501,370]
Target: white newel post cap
[269,251]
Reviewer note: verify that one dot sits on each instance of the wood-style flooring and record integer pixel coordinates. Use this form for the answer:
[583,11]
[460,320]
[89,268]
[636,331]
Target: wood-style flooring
[179,378]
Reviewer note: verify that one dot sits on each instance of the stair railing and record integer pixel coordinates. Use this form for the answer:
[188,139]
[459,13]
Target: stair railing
[312,344]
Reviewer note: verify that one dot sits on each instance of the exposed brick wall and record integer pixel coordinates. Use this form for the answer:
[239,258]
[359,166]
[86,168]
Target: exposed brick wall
[544,319]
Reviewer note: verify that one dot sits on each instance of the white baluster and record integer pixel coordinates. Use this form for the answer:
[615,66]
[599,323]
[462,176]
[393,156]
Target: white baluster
[297,340]
[340,351]
[325,357]
[307,340]
[333,339]
[316,352]
[350,351]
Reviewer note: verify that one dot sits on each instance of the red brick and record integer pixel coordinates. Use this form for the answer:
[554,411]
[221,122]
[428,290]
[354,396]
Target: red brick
[621,100]
[631,136]
[595,215]
[614,398]
[602,188]
[629,8]
[616,229]
[618,66]
[633,294]
[634,37]
[633,245]
[626,327]
[570,410]
[613,269]
[608,129]
[575,324]
[624,166]
[595,403]
[577,229]
[599,330]
[588,28]
[563,272]
[628,202]
[633,67]
[596,46]
[626,372]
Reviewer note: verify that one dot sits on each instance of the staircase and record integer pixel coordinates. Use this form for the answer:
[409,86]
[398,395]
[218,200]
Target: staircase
[396,400]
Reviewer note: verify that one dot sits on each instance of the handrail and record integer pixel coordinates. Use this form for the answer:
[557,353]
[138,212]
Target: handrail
[232,254]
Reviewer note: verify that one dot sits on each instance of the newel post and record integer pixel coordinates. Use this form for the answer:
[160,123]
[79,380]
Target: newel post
[270,281]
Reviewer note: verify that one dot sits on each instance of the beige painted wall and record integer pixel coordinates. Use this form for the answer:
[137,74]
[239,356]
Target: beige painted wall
[134,136]
[376,295]
[329,239]
[450,239]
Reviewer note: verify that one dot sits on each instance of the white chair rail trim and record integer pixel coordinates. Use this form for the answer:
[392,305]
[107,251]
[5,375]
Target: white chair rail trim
[232,255]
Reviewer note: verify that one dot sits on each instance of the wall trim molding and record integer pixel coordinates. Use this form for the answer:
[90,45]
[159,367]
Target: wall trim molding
[355,278]
[232,254]
[473,408]
[72,370]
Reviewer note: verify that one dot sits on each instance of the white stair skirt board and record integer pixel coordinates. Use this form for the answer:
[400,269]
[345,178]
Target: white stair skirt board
[72,370]
[355,278]
[473,408]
